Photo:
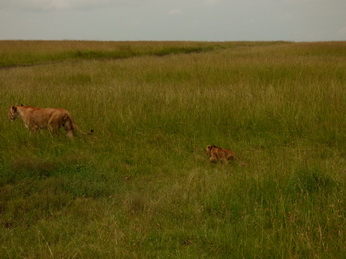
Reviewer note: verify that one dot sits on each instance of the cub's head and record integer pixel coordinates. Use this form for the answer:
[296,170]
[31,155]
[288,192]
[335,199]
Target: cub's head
[13,113]
[208,149]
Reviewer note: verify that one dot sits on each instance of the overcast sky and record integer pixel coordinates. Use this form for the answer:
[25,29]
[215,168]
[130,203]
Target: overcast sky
[201,20]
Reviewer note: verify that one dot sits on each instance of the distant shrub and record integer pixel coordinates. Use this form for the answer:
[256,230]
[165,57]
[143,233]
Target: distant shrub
[181,50]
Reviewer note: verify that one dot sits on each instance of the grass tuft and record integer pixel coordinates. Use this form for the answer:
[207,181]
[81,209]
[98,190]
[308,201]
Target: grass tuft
[310,181]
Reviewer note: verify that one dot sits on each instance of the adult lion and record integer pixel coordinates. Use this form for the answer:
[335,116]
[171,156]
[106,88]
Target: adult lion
[39,118]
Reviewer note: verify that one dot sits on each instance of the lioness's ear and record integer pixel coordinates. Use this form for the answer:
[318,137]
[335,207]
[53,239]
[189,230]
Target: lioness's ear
[21,105]
[14,108]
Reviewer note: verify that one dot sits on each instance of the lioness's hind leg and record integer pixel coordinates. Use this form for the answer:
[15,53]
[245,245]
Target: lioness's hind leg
[53,127]
[70,134]
[68,126]
[69,129]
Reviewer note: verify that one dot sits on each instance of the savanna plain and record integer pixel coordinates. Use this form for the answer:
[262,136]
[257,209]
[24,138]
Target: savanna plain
[142,186]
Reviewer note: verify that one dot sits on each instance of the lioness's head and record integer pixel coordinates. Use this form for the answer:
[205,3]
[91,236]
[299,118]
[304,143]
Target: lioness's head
[13,113]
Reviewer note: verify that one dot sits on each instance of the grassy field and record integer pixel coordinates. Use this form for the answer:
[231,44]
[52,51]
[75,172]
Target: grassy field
[142,186]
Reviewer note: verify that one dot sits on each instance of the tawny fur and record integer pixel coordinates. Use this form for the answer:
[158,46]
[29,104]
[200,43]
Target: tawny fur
[219,154]
[40,118]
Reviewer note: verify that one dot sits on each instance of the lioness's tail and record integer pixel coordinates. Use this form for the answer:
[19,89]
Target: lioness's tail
[82,132]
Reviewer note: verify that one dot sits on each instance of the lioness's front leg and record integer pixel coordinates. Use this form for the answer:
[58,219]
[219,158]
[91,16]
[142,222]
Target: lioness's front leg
[31,126]
[33,129]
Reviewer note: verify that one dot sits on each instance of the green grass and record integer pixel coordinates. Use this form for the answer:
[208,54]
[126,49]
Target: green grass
[27,53]
[141,186]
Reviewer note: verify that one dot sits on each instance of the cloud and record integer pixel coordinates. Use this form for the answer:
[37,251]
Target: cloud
[286,18]
[175,12]
[210,2]
[342,31]
[47,5]
[300,1]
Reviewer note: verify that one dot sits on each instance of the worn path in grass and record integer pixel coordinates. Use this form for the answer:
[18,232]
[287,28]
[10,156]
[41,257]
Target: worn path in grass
[30,53]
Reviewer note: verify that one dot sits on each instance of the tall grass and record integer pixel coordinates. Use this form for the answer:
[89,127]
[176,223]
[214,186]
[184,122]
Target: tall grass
[142,186]
[26,53]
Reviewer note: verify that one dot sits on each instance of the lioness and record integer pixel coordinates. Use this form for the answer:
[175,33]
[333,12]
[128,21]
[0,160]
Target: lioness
[39,118]
[219,154]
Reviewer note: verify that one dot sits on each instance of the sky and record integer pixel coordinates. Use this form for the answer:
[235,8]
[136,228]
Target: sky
[169,20]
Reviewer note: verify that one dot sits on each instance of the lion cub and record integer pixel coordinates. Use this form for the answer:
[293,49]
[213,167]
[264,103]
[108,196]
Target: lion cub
[219,154]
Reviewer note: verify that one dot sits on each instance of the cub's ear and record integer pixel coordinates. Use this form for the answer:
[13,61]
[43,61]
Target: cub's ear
[14,108]
[21,105]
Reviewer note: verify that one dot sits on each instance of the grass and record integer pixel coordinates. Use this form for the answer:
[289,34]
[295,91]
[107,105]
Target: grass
[141,186]
[27,53]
